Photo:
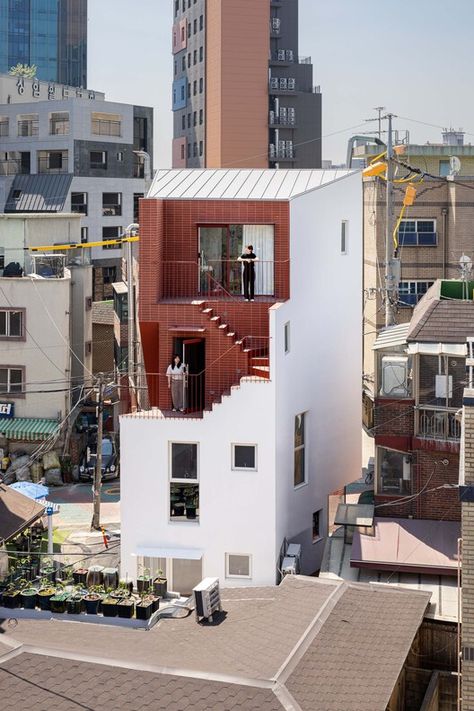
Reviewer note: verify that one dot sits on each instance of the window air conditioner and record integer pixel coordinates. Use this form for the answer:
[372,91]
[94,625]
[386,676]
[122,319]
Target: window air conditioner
[394,376]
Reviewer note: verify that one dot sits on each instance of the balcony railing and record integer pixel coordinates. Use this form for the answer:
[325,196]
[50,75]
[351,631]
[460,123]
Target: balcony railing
[285,121]
[281,153]
[111,210]
[13,167]
[45,165]
[222,280]
[81,208]
[3,129]
[438,423]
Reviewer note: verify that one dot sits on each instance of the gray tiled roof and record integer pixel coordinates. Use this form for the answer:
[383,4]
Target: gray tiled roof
[103,312]
[437,320]
[308,644]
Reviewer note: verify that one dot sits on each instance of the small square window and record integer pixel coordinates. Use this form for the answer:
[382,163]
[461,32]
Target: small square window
[317,525]
[244,456]
[183,461]
[238,565]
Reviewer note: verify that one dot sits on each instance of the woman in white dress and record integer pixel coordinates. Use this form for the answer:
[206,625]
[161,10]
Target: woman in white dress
[176,374]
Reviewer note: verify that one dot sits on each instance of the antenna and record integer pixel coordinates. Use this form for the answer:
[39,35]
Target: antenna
[454,165]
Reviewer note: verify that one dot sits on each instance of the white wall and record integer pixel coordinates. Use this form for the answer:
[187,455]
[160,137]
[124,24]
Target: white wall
[321,375]
[45,351]
[237,509]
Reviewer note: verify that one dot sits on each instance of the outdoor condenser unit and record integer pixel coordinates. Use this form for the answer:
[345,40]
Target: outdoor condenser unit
[208,598]
[291,564]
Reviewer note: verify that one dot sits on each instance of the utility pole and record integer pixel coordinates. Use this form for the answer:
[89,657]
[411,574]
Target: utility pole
[389,252]
[131,314]
[95,525]
[380,110]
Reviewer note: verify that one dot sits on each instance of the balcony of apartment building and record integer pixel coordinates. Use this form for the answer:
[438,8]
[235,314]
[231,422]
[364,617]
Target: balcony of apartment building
[15,163]
[282,152]
[282,86]
[282,117]
[52,162]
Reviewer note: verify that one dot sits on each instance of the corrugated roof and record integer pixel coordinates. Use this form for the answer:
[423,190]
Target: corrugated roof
[392,336]
[28,429]
[17,512]
[240,184]
[38,193]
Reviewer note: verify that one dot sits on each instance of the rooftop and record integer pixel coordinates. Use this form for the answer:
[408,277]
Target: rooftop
[103,313]
[443,315]
[240,184]
[306,644]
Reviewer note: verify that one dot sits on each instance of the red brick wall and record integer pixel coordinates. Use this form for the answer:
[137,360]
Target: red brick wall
[394,417]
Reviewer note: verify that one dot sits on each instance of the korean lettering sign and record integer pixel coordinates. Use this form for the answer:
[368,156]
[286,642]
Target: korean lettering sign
[7,409]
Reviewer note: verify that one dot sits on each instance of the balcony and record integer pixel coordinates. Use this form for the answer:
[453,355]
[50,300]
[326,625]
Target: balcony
[275,121]
[222,280]
[282,85]
[281,154]
[53,165]
[13,167]
[438,423]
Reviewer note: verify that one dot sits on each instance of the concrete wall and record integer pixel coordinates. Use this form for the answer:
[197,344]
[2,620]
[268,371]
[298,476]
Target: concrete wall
[320,375]
[237,508]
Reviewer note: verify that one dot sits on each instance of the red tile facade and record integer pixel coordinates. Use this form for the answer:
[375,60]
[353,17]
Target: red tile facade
[169,246]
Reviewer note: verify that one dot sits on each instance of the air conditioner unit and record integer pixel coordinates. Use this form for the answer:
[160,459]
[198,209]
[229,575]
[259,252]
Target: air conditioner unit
[394,378]
[274,82]
[272,117]
[283,83]
[276,23]
[291,83]
[281,55]
[289,55]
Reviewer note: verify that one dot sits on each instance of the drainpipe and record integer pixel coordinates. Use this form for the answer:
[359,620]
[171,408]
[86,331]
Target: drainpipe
[444,212]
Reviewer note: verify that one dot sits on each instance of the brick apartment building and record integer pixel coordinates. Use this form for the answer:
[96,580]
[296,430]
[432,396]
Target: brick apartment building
[242,95]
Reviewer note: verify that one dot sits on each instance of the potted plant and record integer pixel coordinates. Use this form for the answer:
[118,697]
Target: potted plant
[58,602]
[160,585]
[80,576]
[155,602]
[126,586]
[11,597]
[74,602]
[143,582]
[126,608]
[48,570]
[144,608]
[44,596]
[109,607]
[191,506]
[93,599]
[28,598]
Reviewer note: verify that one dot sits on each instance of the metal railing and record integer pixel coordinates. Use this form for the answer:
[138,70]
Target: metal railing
[13,167]
[276,120]
[111,210]
[3,129]
[81,208]
[221,279]
[45,165]
[438,423]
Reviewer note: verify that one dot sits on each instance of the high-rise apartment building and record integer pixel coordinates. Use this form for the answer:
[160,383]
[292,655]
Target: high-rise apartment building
[242,96]
[51,34]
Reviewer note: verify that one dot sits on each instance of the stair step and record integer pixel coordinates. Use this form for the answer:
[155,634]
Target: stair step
[259,360]
[223,325]
[238,343]
[198,303]
[207,311]
[247,350]
[230,333]
[215,318]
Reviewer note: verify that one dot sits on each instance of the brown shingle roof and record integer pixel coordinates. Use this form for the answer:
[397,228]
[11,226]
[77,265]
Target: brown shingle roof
[324,644]
[103,312]
[437,320]
[16,512]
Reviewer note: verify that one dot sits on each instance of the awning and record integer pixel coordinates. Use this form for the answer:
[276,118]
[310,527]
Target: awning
[28,429]
[181,553]
[354,515]
[408,545]
[452,349]
[392,336]
[17,512]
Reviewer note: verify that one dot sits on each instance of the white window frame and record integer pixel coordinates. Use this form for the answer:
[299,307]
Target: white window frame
[180,481]
[299,447]
[231,575]
[344,236]
[416,220]
[7,334]
[243,469]
[410,282]
[9,391]
[287,337]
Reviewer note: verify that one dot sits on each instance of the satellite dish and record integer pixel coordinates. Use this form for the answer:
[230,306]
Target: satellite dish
[465,263]
[454,165]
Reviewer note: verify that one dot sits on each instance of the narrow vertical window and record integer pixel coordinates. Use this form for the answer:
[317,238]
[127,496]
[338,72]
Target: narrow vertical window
[344,236]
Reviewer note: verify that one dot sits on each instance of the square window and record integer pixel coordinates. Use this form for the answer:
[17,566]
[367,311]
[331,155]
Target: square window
[317,525]
[394,472]
[238,565]
[11,324]
[184,502]
[111,233]
[287,337]
[299,447]
[183,461]
[244,456]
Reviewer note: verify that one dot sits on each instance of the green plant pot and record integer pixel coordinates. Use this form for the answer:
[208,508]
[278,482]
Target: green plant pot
[28,598]
[126,608]
[109,607]
[43,598]
[74,605]
[58,603]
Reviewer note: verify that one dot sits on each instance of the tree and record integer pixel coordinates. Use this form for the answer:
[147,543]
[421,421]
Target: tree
[24,70]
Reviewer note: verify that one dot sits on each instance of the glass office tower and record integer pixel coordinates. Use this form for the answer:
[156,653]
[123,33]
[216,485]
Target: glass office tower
[52,34]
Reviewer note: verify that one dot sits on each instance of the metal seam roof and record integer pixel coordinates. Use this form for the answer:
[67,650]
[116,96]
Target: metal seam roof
[392,336]
[39,193]
[28,429]
[240,184]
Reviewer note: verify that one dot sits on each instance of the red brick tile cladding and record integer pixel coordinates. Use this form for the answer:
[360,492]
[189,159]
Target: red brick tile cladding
[169,233]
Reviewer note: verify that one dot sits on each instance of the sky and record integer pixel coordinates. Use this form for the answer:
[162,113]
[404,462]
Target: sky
[410,56]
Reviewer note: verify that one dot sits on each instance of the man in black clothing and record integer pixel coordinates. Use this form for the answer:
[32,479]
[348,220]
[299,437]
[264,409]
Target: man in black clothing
[248,258]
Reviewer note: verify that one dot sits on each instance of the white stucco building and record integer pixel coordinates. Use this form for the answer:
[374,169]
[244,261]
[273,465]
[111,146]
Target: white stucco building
[221,490]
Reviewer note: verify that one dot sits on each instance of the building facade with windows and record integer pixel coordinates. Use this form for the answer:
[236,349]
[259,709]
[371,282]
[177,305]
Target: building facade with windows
[434,235]
[224,487]
[45,327]
[241,96]
[73,151]
[50,34]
